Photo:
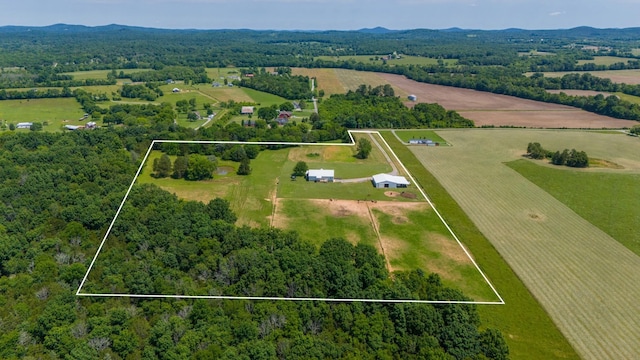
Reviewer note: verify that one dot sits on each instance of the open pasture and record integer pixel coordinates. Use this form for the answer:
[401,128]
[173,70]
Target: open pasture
[627,76]
[584,278]
[377,59]
[612,204]
[327,79]
[406,135]
[352,79]
[604,60]
[56,112]
[501,110]
[409,235]
[100,74]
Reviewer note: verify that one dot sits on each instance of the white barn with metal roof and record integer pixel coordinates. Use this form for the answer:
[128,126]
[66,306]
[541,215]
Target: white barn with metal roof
[389,181]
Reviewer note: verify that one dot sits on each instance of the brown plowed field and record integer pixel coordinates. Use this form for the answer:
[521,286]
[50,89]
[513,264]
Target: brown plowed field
[493,109]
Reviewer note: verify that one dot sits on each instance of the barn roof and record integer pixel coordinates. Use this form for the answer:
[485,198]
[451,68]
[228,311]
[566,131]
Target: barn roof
[320,173]
[379,178]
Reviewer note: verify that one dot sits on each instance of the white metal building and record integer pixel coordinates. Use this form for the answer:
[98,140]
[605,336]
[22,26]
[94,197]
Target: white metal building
[320,175]
[389,181]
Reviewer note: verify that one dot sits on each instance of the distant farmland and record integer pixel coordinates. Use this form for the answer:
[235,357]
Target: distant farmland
[584,278]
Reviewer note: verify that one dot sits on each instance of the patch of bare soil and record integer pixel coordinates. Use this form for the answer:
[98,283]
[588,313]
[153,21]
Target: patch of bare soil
[342,208]
[502,110]
[601,163]
[574,118]
[398,211]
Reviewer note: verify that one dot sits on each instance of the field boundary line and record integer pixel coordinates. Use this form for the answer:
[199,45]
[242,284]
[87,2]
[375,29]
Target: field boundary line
[352,143]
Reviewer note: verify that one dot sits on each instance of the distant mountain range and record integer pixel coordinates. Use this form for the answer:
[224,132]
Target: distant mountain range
[586,30]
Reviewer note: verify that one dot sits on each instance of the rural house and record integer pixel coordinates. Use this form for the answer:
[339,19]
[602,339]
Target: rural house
[246,110]
[283,117]
[319,175]
[389,181]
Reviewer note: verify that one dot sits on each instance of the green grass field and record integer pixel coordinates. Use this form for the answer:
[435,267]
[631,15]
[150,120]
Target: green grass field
[404,60]
[407,135]
[263,98]
[568,263]
[612,203]
[100,74]
[604,60]
[316,224]
[56,112]
[528,329]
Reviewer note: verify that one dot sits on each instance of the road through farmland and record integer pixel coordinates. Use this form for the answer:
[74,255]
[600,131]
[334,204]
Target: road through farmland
[586,280]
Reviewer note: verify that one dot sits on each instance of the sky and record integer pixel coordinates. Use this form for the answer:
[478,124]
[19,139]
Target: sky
[325,14]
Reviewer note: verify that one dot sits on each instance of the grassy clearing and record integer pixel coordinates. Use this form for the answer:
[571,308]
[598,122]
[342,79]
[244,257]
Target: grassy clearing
[263,98]
[250,196]
[604,60]
[100,74]
[617,193]
[56,112]
[404,60]
[327,79]
[407,135]
[218,74]
[416,238]
[528,329]
[316,223]
[352,79]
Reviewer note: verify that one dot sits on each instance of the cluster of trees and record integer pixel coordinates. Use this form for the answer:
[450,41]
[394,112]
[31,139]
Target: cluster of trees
[148,91]
[190,167]
[374,108]
[571,158]
[58,194]
[282,84]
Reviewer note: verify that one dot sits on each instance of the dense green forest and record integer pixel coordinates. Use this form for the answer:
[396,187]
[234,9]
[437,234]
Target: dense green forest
[59,193]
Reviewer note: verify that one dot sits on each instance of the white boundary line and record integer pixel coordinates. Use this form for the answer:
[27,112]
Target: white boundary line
[350,132]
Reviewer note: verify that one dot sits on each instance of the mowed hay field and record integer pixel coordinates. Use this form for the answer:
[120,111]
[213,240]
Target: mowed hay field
[628,76]
[501,110]
[585,279]
[339,81]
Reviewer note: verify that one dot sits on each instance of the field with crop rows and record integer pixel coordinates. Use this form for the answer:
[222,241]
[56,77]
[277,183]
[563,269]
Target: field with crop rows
[585,279]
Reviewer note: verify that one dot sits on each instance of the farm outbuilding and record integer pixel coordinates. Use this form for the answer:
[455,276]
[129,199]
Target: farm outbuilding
[24,125]
[246,110]
[320,175]
[389,181]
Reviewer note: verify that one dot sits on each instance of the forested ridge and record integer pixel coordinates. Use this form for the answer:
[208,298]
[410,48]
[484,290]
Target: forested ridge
[60,191]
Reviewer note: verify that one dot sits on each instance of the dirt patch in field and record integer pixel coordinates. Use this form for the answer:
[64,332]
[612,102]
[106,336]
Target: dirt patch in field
[501,110]
[601,163]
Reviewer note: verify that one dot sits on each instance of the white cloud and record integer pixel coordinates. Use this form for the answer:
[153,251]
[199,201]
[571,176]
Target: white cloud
[556,13]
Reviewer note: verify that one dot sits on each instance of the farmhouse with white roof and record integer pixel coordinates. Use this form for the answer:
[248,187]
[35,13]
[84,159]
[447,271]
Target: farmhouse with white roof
[320,175]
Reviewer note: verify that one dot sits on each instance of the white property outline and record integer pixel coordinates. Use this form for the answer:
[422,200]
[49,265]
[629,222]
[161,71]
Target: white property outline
[225,297]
